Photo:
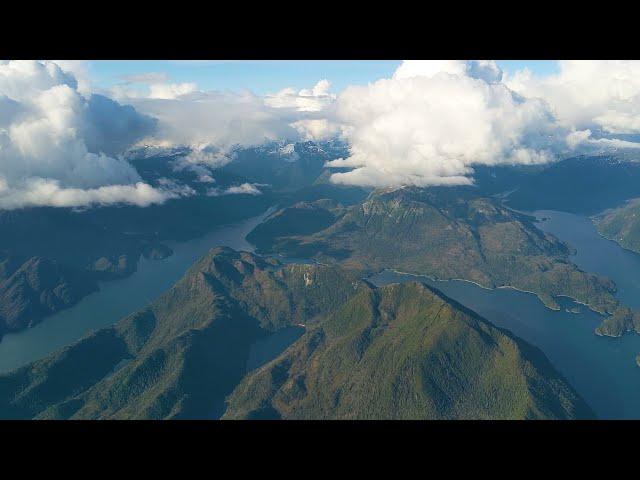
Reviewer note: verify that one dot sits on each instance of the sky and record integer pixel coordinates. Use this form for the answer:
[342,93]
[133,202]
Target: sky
[266,76]
[67,127]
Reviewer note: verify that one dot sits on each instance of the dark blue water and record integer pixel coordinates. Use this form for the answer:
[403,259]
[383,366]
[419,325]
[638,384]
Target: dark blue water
[596,254]
[268,348]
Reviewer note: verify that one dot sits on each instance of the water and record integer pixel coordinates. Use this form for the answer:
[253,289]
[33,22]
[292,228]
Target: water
[269,347]
[602,369]
[118,298]
[595,253]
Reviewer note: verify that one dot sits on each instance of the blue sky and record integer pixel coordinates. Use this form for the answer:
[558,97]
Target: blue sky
[266,76]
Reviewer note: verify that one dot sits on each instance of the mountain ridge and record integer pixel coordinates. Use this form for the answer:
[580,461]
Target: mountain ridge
[185,353]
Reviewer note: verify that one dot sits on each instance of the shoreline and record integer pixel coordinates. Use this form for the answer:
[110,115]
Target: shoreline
[611,239]
[510,287]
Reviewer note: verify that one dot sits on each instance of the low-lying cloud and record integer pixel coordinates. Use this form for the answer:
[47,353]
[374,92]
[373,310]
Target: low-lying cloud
[214,124]
[242,189]
[40,192]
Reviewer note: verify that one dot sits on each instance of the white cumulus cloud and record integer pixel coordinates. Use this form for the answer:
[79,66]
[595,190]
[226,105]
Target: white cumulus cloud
[588,94]
[306,100]
[486,70]
[57,146]
[434,120]
[171,90]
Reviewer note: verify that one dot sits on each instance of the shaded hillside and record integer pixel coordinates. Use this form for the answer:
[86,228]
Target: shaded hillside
[302,218]
[622,225]
[37,288]
[584,185]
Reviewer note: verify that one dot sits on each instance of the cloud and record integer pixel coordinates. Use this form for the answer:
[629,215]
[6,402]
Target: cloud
[316,129]
[147,77]
[57,147]
[150,85]
[213,123]
[80,71]
[486,70]
[243,189]
[434,120]
[306,100]
[39,192]
[111,128]
[431,122]
[588,94]
[171,90]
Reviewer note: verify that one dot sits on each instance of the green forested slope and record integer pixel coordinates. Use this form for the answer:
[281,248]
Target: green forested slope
[622,225]
[406,352]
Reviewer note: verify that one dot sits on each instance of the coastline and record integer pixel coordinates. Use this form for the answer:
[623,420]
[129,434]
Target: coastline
[510,287]
[600,234]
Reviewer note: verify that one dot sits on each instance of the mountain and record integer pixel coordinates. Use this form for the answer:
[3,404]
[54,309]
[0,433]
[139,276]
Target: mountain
[446,233]
[183,354]
[583,184]
[406,352]
[302,218]
[284,166]
[186,353]
[621,321]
